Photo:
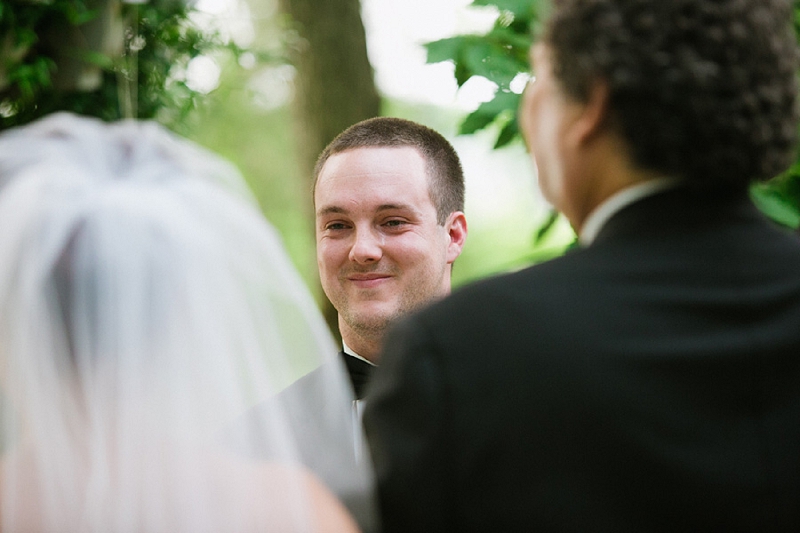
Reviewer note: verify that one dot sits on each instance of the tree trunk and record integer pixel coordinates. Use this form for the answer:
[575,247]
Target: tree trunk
[334,84]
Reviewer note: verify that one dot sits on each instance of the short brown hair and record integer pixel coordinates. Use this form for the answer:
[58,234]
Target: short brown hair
[446,178]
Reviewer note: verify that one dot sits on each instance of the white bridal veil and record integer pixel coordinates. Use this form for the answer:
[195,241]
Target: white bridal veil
[145,309]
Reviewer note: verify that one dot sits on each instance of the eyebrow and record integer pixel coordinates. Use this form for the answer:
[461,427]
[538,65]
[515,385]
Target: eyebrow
[337,210]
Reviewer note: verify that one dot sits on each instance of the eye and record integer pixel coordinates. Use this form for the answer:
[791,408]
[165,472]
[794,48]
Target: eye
[395,223]
[336,226]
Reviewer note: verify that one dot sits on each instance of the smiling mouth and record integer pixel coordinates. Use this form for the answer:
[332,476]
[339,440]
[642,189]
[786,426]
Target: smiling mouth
[367,281]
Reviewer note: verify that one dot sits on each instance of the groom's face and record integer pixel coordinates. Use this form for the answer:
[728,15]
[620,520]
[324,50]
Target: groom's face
[380,251]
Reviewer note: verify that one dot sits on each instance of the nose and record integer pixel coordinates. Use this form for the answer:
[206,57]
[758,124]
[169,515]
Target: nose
[367,248]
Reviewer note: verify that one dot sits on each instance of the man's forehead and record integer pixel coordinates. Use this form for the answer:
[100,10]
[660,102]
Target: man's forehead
[381,175]
[335,209]
[370,155]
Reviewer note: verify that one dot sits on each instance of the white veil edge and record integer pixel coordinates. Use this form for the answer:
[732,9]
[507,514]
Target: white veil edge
[145,308]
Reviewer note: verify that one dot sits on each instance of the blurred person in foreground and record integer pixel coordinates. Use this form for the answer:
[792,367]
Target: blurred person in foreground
[647,381]
[144,305]
[389,207]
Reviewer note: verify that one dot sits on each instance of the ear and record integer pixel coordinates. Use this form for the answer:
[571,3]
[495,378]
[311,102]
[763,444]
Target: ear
[456,227]
[593,114]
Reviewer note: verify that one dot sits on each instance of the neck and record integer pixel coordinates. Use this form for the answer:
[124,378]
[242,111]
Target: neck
[367,346]
[607,170]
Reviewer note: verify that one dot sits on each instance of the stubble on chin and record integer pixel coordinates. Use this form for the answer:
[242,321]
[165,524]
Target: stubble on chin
[374,325]
[368,325]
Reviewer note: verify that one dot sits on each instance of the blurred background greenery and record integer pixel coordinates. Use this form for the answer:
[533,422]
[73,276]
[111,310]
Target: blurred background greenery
[268,83]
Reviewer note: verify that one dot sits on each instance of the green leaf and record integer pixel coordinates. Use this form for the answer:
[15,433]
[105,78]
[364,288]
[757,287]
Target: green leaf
[494,60]
[509,132]
[462,73]
[777,207]
[546,228]
[504,68]
[77,13]
[502,101]
[474,57]
[491,62]
[445,49]
[97,58]
[519,42]
[503,106]
[42,68]
[26,37]
[797,17]
[477,120]
[26,88]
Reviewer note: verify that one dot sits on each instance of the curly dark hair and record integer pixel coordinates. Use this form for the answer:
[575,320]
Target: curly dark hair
[446,177]
[705,90]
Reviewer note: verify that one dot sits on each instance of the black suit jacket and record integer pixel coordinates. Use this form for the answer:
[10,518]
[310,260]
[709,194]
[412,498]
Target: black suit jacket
[648,382]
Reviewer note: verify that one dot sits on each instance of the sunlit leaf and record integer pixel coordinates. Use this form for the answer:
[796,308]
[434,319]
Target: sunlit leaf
[509,132]
[520,42]
[42,68]
[482,60]
[26,37]
[475,121]
[778,208]
[501,107]
[502,101]
[444,49]
[504,68]
[77,13]
[546,228]
[462,73]
[25,87]
[96,58]
[475,57]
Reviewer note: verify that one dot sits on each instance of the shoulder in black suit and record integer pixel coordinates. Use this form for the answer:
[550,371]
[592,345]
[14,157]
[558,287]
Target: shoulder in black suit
[649,382]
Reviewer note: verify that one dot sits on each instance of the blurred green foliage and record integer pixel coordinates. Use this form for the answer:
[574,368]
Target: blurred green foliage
[156,42]
[499,55]
[259,141]
[145,80]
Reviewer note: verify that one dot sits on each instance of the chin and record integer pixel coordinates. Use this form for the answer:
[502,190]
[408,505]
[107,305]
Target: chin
[373,318]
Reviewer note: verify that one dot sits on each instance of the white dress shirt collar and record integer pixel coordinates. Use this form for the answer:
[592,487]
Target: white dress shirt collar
[349,351]
[616,202]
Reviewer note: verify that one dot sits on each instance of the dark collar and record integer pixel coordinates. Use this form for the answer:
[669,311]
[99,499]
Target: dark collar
[679,209]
